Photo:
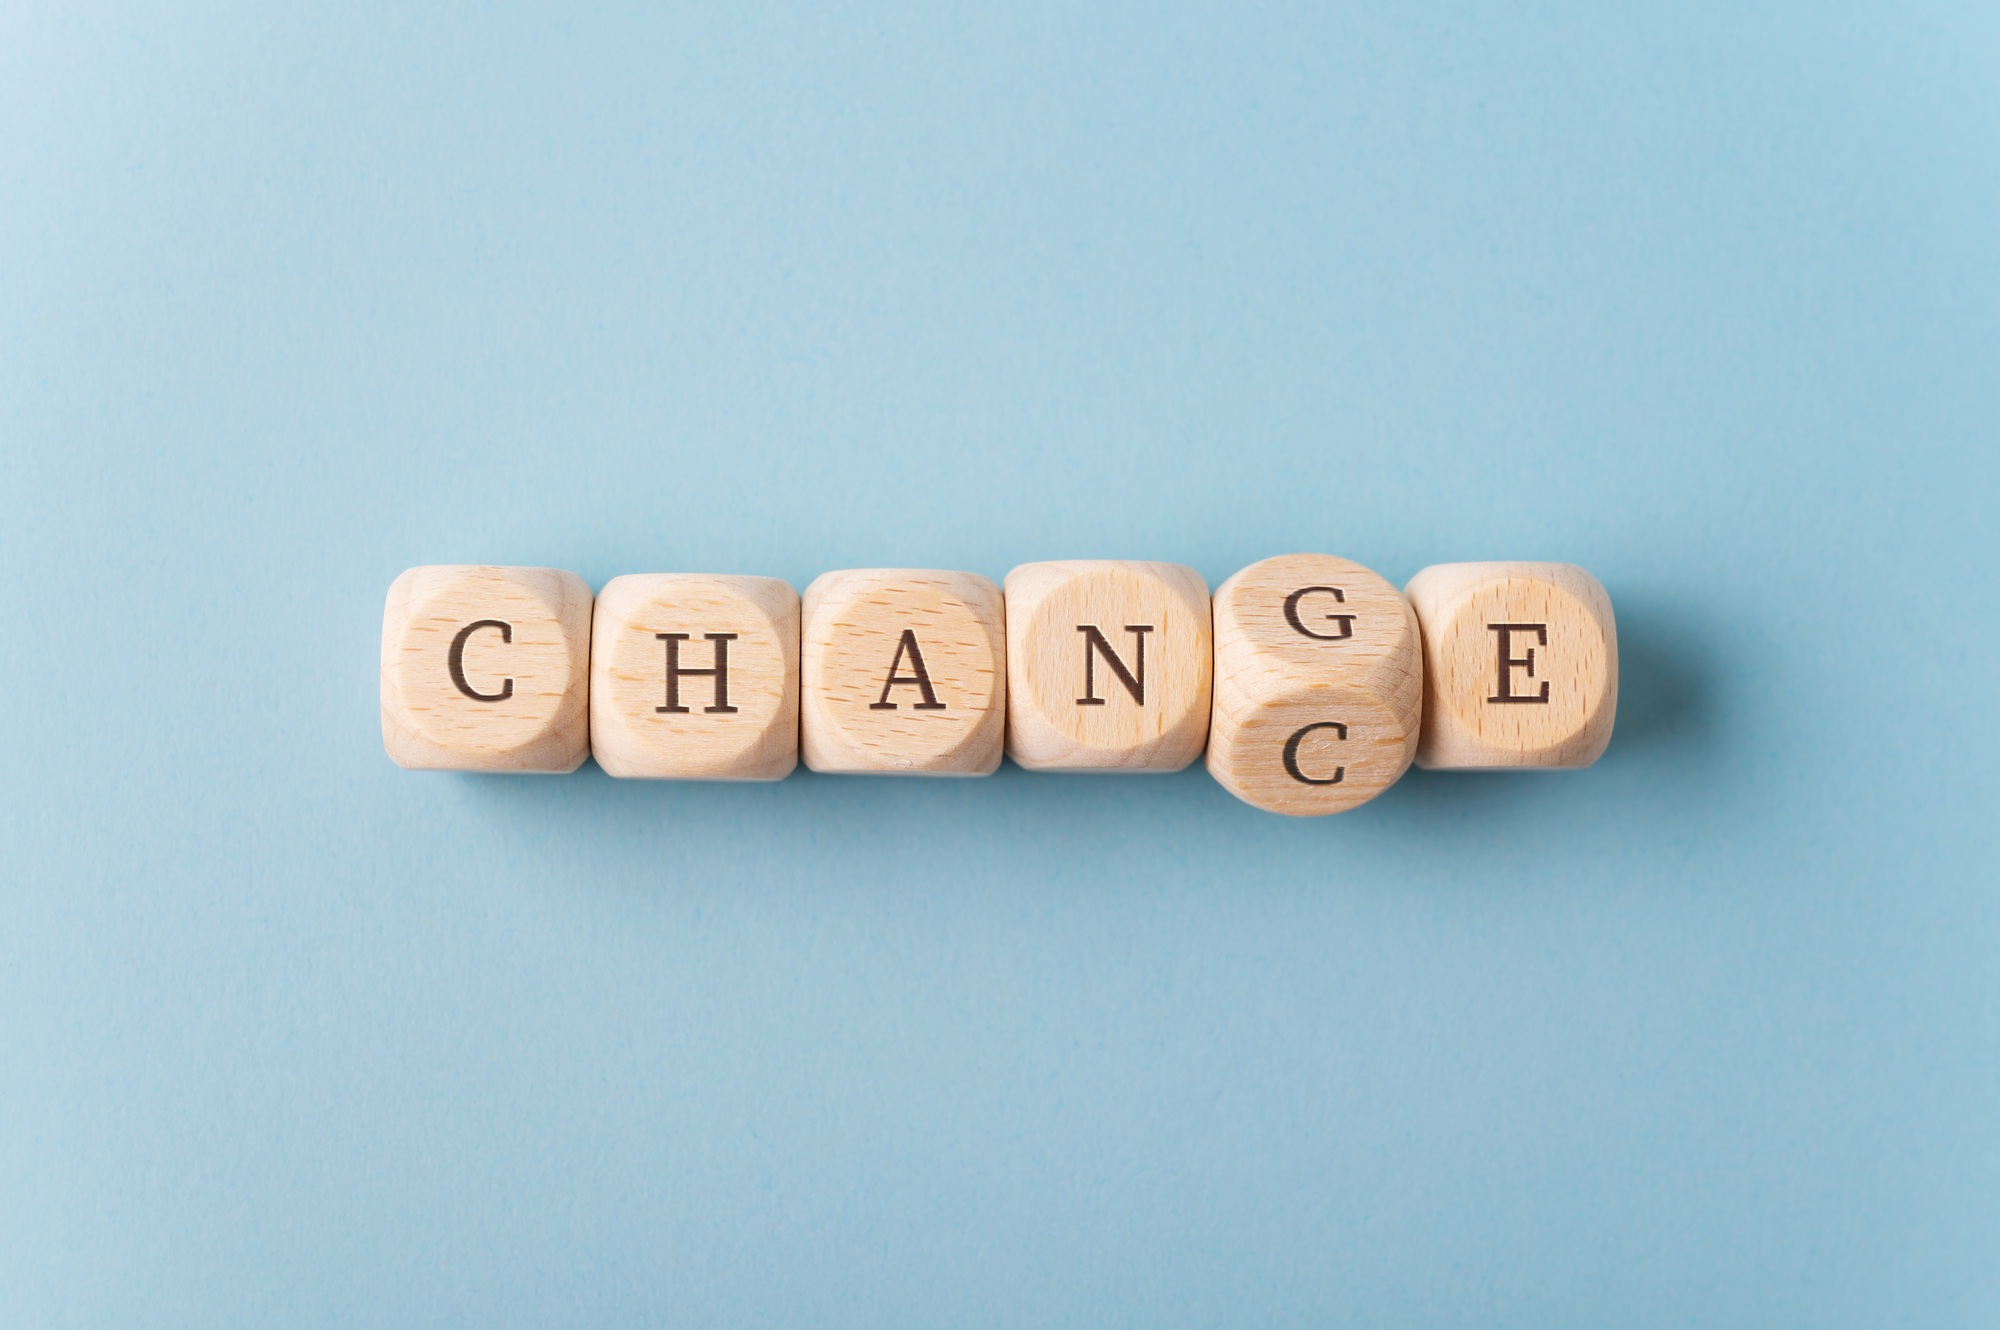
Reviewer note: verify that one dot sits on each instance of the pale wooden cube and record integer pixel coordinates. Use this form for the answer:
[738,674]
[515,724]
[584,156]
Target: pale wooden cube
[1520,665]
[695,676]
[903,671]
[1318,685]
[486,669]
[1109,666]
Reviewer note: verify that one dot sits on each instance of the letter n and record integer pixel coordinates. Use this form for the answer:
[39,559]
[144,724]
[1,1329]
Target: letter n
[1094,645]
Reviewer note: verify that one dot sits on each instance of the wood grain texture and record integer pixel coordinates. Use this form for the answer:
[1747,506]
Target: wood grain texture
[486,668]
[1520,665]
[903,671]
[1318,685]
[1068,709]
[647,724]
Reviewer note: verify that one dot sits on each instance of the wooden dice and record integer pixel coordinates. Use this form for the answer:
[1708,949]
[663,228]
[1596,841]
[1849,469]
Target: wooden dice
[1310,682]
[486,669]
[1520,665]
[903,672]
[1318,685]
[1109,666]
[695,676]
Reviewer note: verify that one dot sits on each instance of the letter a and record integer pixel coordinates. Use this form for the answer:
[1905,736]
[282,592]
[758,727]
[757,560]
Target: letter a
[921,678]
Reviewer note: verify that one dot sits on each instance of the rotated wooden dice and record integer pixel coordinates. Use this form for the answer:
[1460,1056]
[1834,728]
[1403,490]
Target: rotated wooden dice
[695,676]
[486,668]
[1520,665]
[903,671]
[1109,665]
[1318,685]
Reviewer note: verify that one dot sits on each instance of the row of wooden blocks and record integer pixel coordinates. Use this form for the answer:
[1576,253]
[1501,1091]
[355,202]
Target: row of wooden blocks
[1309,681]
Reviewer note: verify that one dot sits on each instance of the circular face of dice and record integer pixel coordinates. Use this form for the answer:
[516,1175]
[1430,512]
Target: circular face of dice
[486,668]
[1520,665]
[695,676]
[1318,685]
[903,672]
[1109,665]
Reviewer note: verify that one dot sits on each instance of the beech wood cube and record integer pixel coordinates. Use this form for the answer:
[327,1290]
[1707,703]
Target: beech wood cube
[1520,665]
[1109,666]
[695,676]
[903,671]
[1318,685]
[486,668]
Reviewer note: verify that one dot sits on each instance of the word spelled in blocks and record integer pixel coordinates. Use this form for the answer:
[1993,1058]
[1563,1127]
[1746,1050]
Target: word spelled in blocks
[695,676]
[1109,666]
[1318,685]
[904,671]
[1520,665]
[1310,681]
[486,669]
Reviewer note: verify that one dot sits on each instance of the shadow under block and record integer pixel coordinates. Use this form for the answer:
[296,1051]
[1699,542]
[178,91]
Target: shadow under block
[1520,665]
[486,669]
[1109,666]
[1318,685]
[695,676]
[903,671]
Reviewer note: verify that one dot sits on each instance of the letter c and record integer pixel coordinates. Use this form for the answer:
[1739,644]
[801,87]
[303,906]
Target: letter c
[1292,754]
[457,660]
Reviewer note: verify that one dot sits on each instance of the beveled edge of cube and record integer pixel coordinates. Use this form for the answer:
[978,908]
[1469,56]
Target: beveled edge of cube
[759,590]
[1047,573]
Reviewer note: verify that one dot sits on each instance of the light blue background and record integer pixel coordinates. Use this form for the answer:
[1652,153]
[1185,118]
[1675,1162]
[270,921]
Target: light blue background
[1703,298]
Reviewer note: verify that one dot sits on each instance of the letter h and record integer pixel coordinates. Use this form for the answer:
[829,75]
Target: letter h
[676,672]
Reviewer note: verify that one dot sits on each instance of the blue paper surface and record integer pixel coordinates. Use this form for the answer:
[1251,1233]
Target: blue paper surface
[1704,298]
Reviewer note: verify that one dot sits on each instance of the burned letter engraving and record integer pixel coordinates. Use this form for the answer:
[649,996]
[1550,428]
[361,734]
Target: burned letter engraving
[676,672]
[1508,663]
[1292,754]
[1345,621]
[455,661]
[921,677]
[1134,679]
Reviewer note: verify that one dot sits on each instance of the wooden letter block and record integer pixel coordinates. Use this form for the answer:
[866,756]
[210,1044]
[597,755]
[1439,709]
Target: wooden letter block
[696,677]
[1108,666]
[1520,665]
[1318,685]
[903,671]
[486,669]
